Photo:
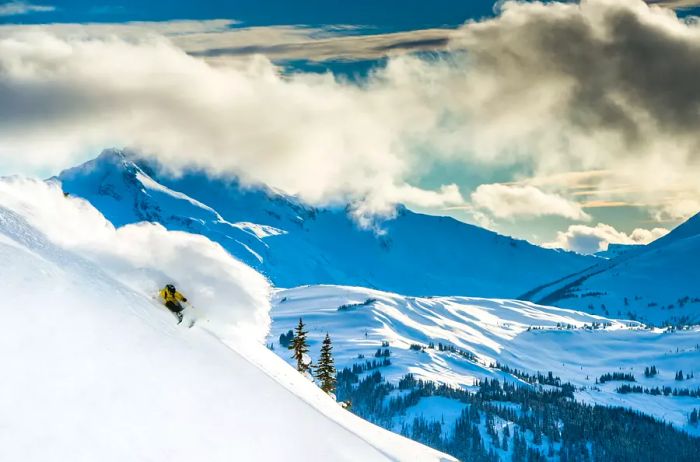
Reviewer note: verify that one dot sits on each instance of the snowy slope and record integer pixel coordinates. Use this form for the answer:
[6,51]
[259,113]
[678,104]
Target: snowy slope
[95,369]
[655,283]
[293,244]
[518,334]
[687,229]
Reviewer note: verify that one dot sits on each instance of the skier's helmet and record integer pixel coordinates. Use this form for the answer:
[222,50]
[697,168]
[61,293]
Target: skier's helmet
[170,288]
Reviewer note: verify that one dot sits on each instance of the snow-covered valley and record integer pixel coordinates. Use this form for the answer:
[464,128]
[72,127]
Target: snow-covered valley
[462,340]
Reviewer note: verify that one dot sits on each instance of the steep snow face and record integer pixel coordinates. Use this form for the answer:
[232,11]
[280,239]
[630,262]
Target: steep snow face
[293,244]
[516,334]
[95,369]
[655,283]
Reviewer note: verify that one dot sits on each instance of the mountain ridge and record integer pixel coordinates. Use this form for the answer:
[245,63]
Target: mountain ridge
[294,244]
[655,283]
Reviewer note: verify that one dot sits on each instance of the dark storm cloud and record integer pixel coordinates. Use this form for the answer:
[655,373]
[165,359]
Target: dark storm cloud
[624,68]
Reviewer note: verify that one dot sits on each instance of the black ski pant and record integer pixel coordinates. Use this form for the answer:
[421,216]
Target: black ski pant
[176,308]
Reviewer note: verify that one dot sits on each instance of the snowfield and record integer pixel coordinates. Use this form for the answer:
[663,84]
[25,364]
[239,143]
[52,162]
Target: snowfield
[517,334]
[95,369]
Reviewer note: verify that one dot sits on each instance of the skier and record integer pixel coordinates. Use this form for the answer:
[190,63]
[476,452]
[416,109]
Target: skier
[173,300]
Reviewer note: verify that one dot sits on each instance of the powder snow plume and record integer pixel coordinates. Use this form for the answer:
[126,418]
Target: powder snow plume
[229,297]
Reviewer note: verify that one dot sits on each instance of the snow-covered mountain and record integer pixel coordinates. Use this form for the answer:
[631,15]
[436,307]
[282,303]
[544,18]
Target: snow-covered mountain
[95,369]
[655,283]
[294,244]
[462,341]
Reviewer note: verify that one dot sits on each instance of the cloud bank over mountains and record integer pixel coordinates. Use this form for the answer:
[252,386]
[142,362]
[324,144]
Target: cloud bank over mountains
[604,85]
[306,134]
[591,239]
[510,201]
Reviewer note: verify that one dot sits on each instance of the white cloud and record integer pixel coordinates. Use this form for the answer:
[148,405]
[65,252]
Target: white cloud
[19,8]
[447,195]
[307,134]
[591,239]
[511,201]
[681,207]
[483,220]
[366,209]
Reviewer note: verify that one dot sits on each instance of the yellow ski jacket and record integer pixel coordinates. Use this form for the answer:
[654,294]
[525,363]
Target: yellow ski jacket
[176,298]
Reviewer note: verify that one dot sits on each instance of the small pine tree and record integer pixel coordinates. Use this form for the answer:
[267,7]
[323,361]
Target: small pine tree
[300,347]
[325,371]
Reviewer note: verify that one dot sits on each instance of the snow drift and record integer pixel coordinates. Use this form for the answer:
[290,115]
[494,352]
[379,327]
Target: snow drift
[95,369]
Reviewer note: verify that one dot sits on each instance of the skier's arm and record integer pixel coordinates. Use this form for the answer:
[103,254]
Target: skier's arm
[180,297]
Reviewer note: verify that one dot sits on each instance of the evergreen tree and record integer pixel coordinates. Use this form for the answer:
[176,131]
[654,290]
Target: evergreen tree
[286,338]
[301,348]
[325,371]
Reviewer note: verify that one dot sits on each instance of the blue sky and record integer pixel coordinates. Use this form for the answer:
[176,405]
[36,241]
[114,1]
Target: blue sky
[383,14]
[523,188]
[386,14]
